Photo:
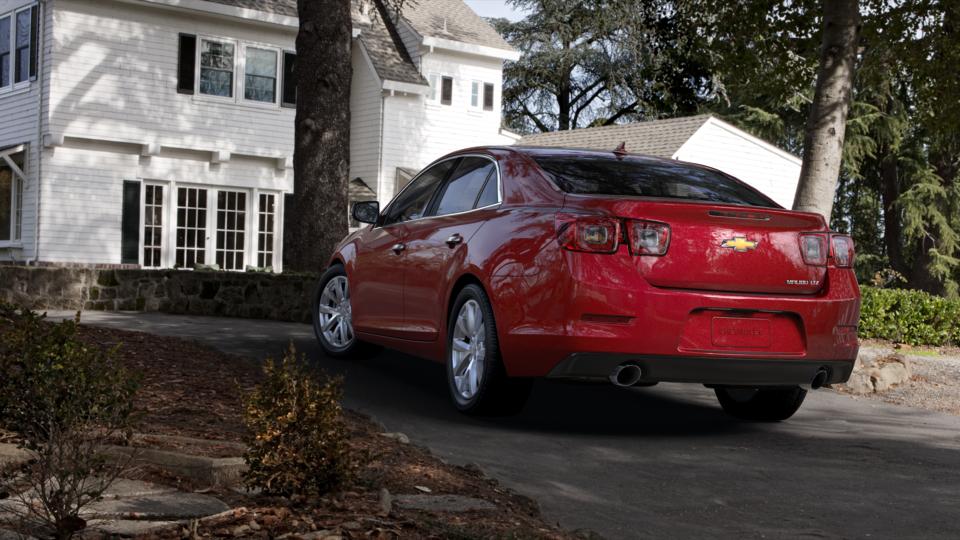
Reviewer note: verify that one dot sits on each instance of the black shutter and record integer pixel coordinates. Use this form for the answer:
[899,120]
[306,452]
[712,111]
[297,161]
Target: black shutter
[34,40]
[289,98]
[130,224]
[186,66]
[487,97]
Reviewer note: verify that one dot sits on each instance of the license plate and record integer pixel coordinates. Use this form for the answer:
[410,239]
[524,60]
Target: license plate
[740,332]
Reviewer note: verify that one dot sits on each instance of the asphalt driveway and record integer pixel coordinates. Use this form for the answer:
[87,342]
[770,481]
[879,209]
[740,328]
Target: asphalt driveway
[661,462]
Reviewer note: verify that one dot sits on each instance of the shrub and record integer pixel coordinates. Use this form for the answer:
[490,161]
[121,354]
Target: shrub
[298,443]
[909,316]
[64,400]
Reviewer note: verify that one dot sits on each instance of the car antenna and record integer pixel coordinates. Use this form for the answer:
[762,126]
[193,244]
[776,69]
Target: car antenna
[621,150]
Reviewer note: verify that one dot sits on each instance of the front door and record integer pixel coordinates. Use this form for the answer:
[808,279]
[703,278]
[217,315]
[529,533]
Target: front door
[436,246]
[377,279]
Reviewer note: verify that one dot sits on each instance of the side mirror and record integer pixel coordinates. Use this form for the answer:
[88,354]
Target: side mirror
[366,211]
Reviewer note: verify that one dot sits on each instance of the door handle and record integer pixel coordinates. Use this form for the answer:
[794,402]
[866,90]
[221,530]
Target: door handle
[454,239]
[397,248]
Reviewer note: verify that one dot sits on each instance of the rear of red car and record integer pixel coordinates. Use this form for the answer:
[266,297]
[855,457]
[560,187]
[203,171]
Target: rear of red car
[681,273]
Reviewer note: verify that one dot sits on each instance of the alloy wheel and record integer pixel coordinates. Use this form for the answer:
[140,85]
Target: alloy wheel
[468,350]
[335,313]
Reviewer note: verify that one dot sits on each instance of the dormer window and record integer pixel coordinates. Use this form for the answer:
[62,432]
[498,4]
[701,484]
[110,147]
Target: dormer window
[216,68]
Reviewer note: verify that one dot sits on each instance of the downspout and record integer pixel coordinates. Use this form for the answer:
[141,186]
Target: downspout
[41,44]
[380,174]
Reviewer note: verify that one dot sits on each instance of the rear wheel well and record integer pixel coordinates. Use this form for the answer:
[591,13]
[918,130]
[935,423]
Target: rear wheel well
[462,281]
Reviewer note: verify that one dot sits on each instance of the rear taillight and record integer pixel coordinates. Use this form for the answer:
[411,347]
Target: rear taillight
[813,247]
[592,234]
[841,247]
[648,237]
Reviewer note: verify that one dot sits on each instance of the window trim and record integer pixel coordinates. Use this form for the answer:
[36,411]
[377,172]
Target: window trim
[14,86]
[164,221]
[496,165]
[239,73]
[19,179]
[199,69]
[277,76]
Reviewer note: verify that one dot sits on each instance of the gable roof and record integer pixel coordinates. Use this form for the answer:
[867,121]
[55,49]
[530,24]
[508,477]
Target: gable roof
[387,54]
[662,138]
[453,20]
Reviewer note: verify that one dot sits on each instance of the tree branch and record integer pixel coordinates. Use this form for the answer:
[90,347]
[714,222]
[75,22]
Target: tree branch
[626,110]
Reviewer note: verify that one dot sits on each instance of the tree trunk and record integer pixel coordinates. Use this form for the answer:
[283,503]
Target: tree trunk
[316,215]
[823,142]
[892,224]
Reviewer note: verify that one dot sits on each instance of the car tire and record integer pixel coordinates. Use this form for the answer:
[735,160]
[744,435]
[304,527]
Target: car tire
[328,336]
[492,392]
[761,404]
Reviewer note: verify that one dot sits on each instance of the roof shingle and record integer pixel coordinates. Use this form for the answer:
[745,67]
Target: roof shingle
[660,138]
[451,19]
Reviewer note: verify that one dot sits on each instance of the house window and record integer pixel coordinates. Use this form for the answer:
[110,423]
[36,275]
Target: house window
[487,97]
[153,226]
[475,94]
[265,230]
[18,58]
[6,46]
[446,90]
[191,227]
[11,190]
[216,68]
[231,225]
[260,75]
[22,43]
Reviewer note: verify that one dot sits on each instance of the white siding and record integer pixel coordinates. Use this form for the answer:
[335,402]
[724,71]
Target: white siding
[365,120]
[771,171]
[418,131]
[19,116]
[115,78]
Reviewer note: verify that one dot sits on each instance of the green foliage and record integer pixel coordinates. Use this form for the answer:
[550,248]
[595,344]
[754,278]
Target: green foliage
[909,316]
[299,439]
[52,382]
[64,400]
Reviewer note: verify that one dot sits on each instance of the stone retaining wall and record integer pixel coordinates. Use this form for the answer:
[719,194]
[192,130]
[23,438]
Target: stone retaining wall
[283,297]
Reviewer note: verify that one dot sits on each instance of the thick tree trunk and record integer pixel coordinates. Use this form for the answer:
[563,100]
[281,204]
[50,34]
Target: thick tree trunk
[823,142]
[316,215]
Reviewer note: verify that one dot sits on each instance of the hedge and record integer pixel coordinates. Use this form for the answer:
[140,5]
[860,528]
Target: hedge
[908,316]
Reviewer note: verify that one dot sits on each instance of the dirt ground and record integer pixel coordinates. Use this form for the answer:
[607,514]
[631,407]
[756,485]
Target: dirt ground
[190,390]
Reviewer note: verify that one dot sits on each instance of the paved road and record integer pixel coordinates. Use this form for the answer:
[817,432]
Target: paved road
[655,462]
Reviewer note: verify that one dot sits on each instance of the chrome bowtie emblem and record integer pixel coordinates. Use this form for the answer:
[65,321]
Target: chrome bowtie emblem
[740,244]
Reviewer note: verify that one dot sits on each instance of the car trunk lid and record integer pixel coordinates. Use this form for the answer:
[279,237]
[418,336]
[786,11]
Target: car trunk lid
[721,247]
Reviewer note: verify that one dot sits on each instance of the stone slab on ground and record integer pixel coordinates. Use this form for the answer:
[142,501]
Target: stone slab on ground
[129,527]
[443,503]
[877,370]
[9,453]
[160,507]
[206,470]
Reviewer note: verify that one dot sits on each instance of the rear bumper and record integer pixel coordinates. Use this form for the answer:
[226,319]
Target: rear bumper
[709,370]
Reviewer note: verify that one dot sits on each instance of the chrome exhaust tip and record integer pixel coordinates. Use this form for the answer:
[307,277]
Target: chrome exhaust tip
[820,379]
[626,375]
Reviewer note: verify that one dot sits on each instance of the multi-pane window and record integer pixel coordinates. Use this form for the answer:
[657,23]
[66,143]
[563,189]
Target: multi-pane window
[191,227]
[260,75]
[231,225]
[446,90]
[265,223]
[11,191]
[475,94]
[5,48]
[22,44]
[216,68]
[152,226]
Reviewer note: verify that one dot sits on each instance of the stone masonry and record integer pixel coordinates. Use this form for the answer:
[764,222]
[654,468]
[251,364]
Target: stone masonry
[282,297]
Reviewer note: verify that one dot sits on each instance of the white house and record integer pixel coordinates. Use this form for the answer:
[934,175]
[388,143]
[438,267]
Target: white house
[703,139]
[159,133]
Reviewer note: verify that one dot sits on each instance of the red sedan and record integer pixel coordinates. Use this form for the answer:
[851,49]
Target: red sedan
[511,263]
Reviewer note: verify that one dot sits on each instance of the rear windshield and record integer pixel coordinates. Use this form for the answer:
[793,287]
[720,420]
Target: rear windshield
[639,177]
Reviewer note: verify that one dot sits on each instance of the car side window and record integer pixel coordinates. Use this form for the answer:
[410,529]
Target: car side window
[461,191]
[491,192]
[412,201]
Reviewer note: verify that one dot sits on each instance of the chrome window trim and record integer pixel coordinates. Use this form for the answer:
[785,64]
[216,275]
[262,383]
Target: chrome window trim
[499,202]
